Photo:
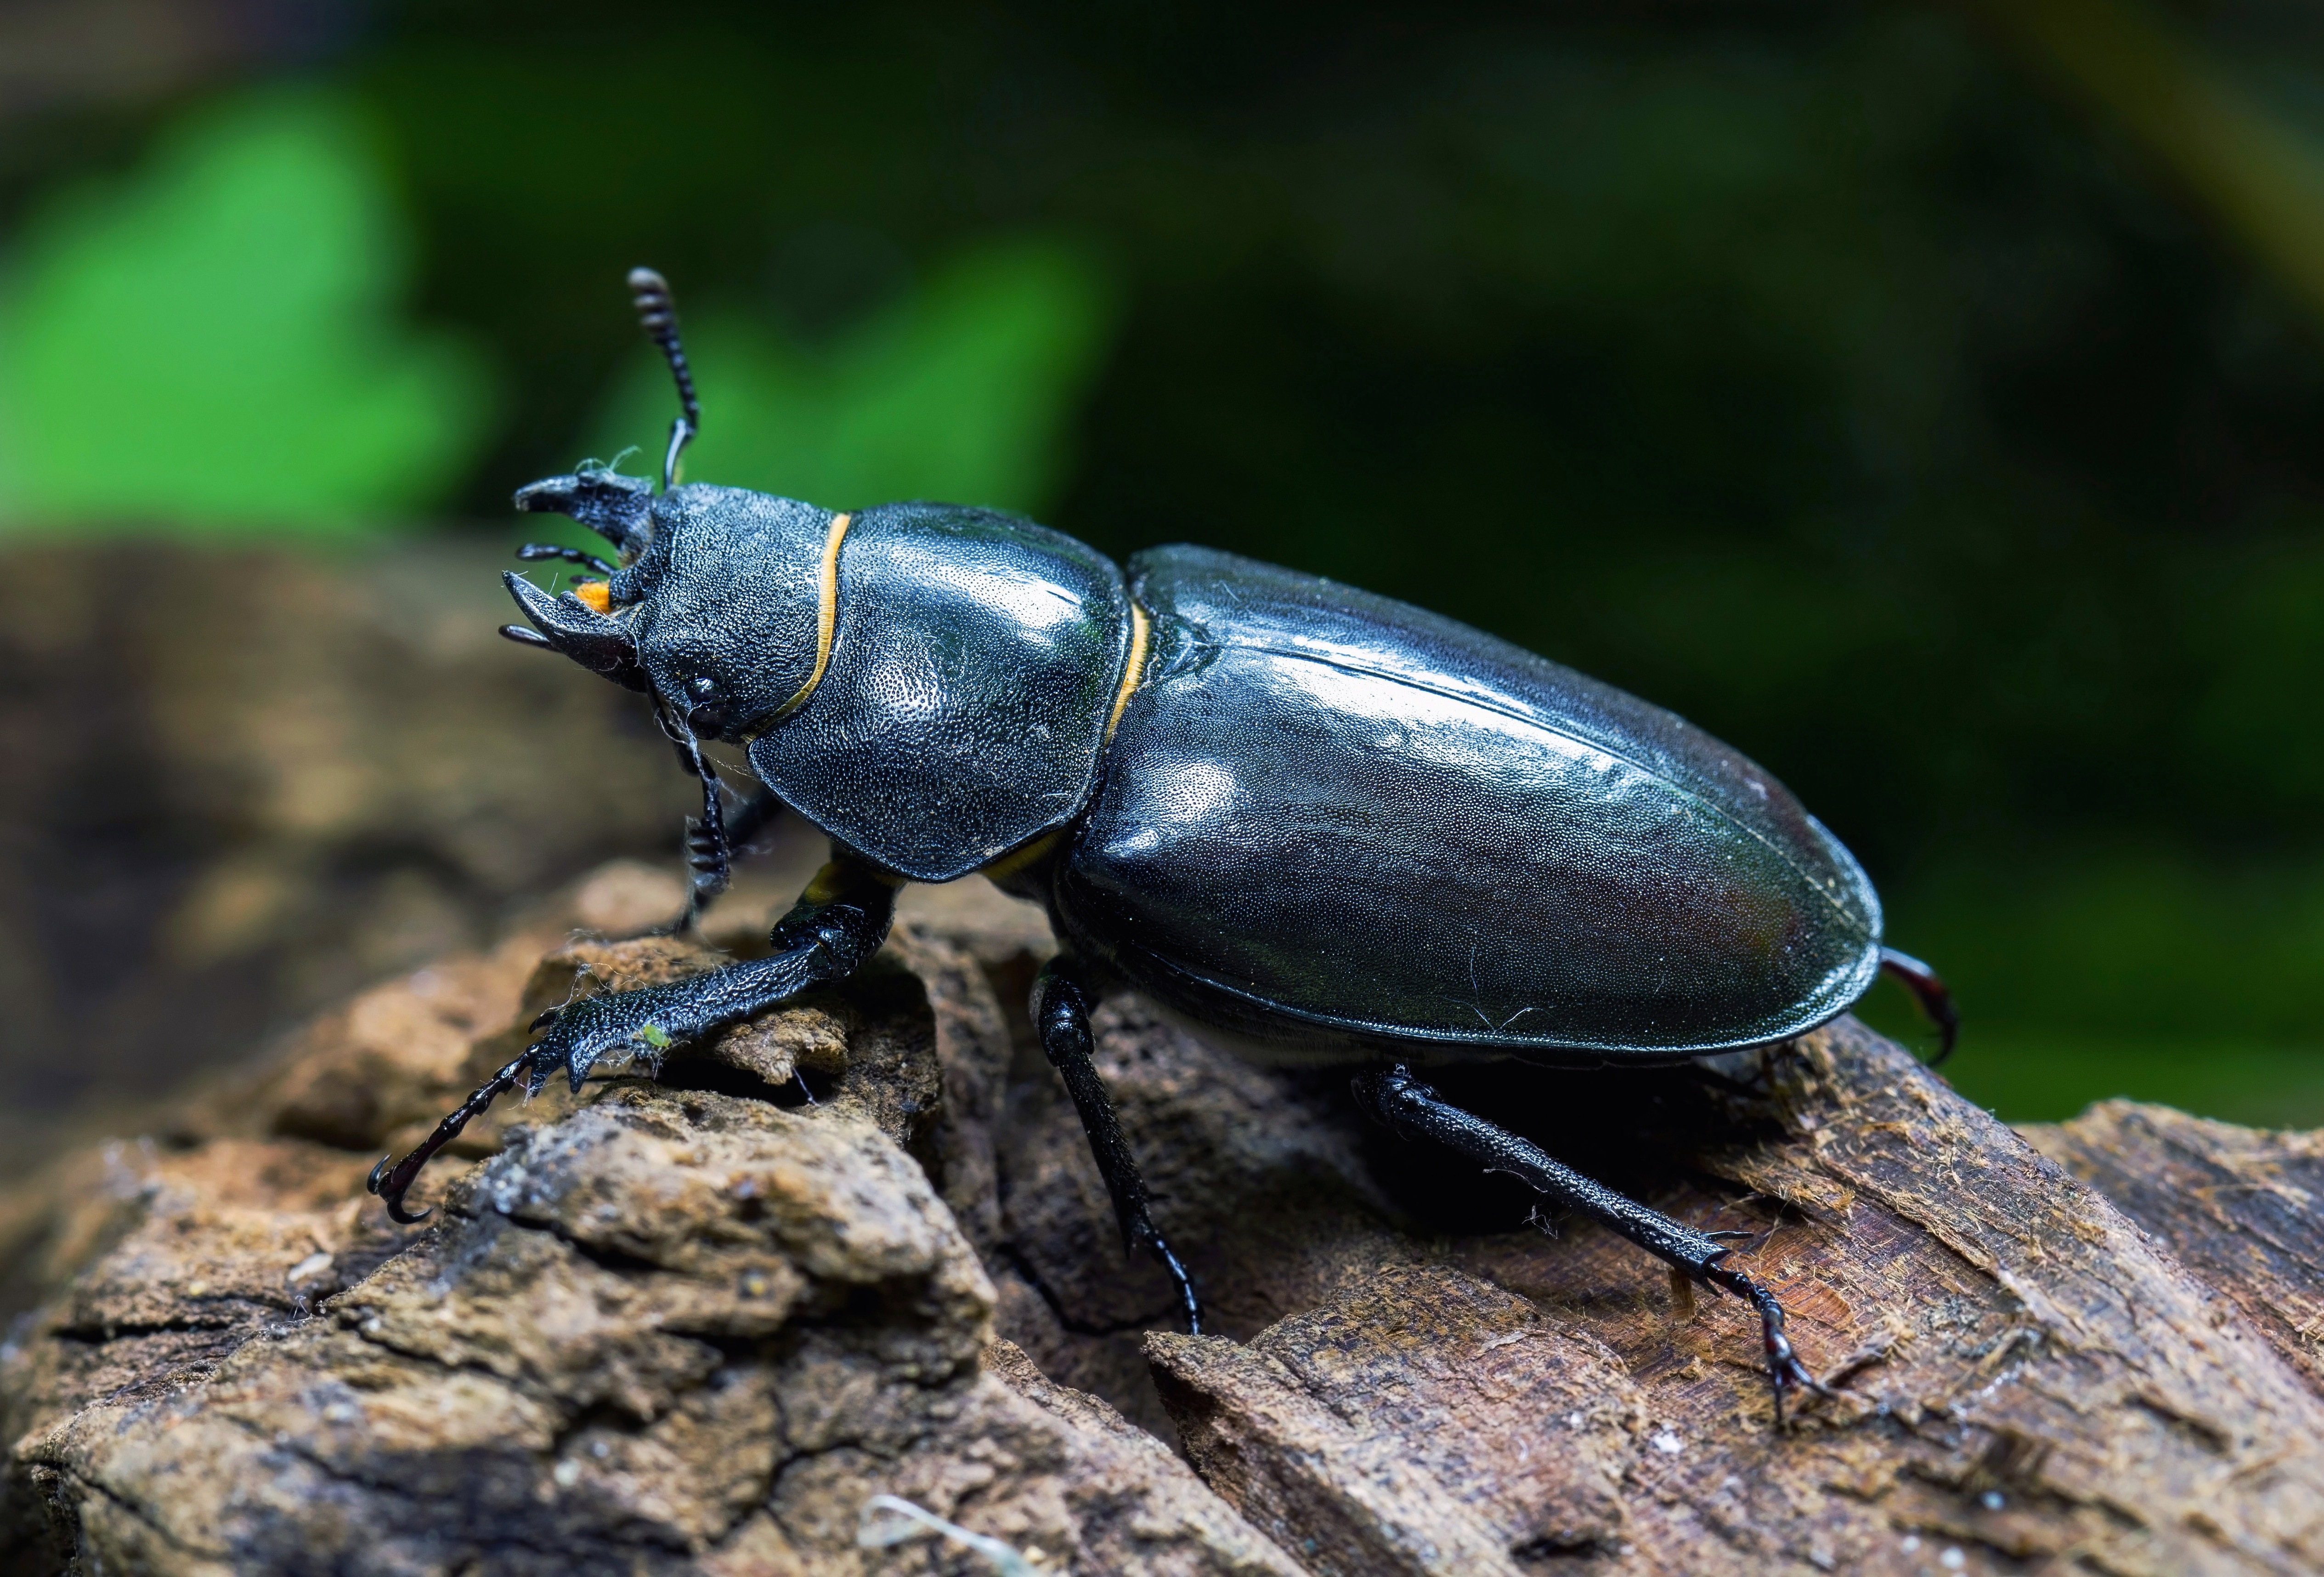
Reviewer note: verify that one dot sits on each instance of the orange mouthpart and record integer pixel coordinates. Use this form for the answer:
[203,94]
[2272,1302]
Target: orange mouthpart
[596,593]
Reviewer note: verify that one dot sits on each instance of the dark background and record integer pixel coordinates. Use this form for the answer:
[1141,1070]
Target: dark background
[1926,399]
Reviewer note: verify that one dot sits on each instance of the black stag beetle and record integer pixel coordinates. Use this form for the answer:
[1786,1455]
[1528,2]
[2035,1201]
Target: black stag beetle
[1331,825]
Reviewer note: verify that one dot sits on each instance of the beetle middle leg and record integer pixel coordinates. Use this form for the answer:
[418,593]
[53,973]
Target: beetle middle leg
[833,930]
[1415,1110]
[1061,1014]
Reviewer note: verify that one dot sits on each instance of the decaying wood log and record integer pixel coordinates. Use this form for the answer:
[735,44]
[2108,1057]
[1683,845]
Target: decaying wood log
[2238,1207]
[695,1325]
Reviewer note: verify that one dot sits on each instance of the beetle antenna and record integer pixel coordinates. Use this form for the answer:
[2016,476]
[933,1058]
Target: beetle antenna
[658,314]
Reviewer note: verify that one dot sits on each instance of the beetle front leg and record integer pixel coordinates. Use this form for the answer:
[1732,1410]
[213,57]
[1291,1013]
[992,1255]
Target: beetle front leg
[833,930]
[1061,1014]
[1415,1110]
[711,845]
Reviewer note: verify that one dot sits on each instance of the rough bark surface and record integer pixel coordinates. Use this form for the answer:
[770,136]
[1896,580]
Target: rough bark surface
[693,1324]
[243,784]
[2242,1209]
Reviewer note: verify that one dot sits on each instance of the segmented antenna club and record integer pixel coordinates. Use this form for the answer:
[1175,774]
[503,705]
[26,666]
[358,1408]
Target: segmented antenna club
[658,315]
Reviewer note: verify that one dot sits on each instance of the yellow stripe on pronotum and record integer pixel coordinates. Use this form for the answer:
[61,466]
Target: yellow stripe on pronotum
[1130,675]
[826,618]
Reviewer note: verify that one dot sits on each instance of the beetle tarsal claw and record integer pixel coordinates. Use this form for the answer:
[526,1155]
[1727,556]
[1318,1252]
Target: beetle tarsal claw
[382,1183]
[1785,1370]
[392,1184]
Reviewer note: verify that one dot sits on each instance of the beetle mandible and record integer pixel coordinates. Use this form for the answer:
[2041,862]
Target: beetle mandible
[1332,825]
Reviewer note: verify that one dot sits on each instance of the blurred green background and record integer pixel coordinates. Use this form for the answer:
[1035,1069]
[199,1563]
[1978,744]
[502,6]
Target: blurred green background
[1926,399]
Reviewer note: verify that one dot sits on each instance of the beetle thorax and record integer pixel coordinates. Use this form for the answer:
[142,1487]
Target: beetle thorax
[725,606]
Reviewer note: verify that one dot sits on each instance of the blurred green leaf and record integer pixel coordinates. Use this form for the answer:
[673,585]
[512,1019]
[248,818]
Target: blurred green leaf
[2037,1076]
[962,390]
[209,344]
[2138,940]
[2256,169]
[2265,643]
[1802,370]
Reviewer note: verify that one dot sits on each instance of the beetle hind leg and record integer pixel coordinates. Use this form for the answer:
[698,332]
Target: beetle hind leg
[1930,992]
[1414,1110]
[1785,1370]
[1061,1014]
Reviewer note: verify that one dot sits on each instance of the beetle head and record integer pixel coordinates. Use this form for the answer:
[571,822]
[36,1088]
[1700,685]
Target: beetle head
[713,610]
[618,508]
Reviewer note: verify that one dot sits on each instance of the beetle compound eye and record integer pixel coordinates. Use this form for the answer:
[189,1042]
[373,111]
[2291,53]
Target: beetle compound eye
[706,712]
